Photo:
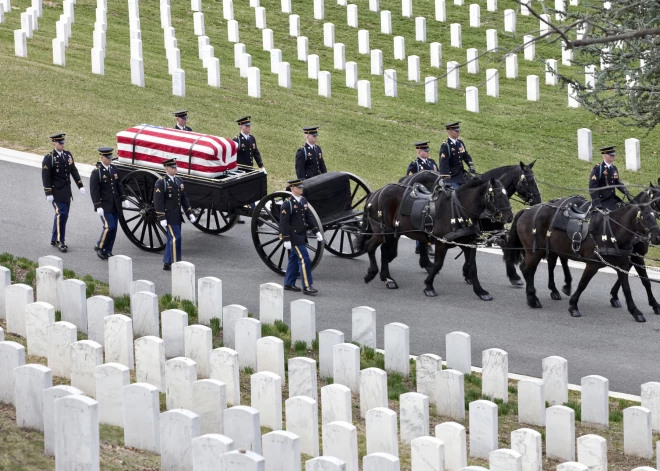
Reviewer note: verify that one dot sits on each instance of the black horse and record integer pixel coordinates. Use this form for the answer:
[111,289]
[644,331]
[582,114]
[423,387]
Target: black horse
[517,180]
[616,231]
[650,197]
[456,215]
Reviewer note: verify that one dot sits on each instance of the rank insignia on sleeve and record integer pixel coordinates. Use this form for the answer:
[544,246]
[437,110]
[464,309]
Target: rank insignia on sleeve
[283,211]
[157,190]
[594,177]
[70,161]
[46,167]
[442,156]
[254,146]
[616,175]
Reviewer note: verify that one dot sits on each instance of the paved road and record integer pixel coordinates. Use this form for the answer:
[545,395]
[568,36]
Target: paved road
[604,341]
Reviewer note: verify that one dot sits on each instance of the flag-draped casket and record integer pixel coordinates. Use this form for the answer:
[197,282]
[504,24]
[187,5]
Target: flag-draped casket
[197,154]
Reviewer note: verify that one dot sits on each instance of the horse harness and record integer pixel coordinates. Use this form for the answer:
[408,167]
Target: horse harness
[574,219]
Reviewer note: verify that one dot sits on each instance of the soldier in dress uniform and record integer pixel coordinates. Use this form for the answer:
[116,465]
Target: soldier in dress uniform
[452,155]
[248,152]
[57,168]
[108,196]
[309,157]
[169,197]
[295,221]
[604,180]
[181,120]
[422,162]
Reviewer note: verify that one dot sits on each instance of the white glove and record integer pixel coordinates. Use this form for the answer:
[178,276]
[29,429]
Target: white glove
[319,237]
[125,204]
[163,223]
[82,191]
[287,245]
[193,218]
[263,169]
[99,211]
[50,198]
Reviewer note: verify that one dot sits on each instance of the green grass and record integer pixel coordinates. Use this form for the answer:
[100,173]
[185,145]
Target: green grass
[375,144]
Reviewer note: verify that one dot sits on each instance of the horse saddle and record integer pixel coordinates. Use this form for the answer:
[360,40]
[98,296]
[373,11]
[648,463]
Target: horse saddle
[572,216]
[418,204]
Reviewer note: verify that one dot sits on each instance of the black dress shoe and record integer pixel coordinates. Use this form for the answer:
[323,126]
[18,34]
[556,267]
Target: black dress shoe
[109,254]
[101,255]
[167,267]
[416,250]
[96,248]
[62,246]
[310,291]
[291,288]
[53,243]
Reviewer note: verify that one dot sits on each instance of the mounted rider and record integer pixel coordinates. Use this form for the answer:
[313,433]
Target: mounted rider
[452,155]
[422,162]
[604,180]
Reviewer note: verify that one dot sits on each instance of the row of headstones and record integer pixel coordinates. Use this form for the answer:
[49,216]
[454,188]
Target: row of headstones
[30,22]
[125,406]
[632,149]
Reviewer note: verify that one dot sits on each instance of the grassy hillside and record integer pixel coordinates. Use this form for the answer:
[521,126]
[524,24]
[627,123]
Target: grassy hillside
[40,98]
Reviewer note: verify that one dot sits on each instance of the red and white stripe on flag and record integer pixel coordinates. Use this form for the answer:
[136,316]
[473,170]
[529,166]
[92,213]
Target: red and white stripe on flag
[150,146]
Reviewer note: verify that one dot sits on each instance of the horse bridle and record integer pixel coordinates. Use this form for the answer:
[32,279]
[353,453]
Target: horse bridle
[491,207]
[523,184]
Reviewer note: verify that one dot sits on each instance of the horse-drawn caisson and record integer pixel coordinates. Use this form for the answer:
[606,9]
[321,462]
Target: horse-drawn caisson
[220,191]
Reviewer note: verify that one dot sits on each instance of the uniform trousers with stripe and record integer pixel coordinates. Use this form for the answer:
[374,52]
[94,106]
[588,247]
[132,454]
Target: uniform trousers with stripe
[109,232]
[299,266]
[59,222]
[173,247]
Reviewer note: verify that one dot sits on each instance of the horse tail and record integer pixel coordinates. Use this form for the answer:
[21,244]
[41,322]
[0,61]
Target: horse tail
[513,251]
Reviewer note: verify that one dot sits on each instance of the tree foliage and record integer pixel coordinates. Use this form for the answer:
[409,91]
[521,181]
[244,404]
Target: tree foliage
[622,40]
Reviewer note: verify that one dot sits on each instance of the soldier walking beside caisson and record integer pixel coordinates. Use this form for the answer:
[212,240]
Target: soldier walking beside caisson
[169,197]
[248,152]
[108,196]
[295,220]
[57,168]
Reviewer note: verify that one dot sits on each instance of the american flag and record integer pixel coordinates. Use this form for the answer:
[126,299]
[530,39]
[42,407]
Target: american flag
[150,146]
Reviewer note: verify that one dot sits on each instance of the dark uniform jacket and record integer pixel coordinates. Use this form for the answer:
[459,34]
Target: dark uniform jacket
[452,157]
[295,220]
[419,165]
[309,162]
[106,190]
[56,173]
[247,151]
[602,177]
[185,128]
[169,197]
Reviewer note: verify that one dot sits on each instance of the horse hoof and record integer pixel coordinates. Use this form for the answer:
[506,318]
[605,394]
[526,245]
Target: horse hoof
[639,317]
[575,312]
[534,303]
[566,289]
[368,278]
[614,302]
[486,297]
[468,281]
[430,293]
[392,285]
[555,295]
[517,282]
[656,310]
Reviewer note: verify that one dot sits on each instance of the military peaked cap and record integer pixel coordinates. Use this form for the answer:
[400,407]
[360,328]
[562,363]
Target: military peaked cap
[57,137]
[422,145]
[244,121]
[170,163]
[608,150]
[181,114]
[106,151]
[313,130]
[296,182]
[455,125]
